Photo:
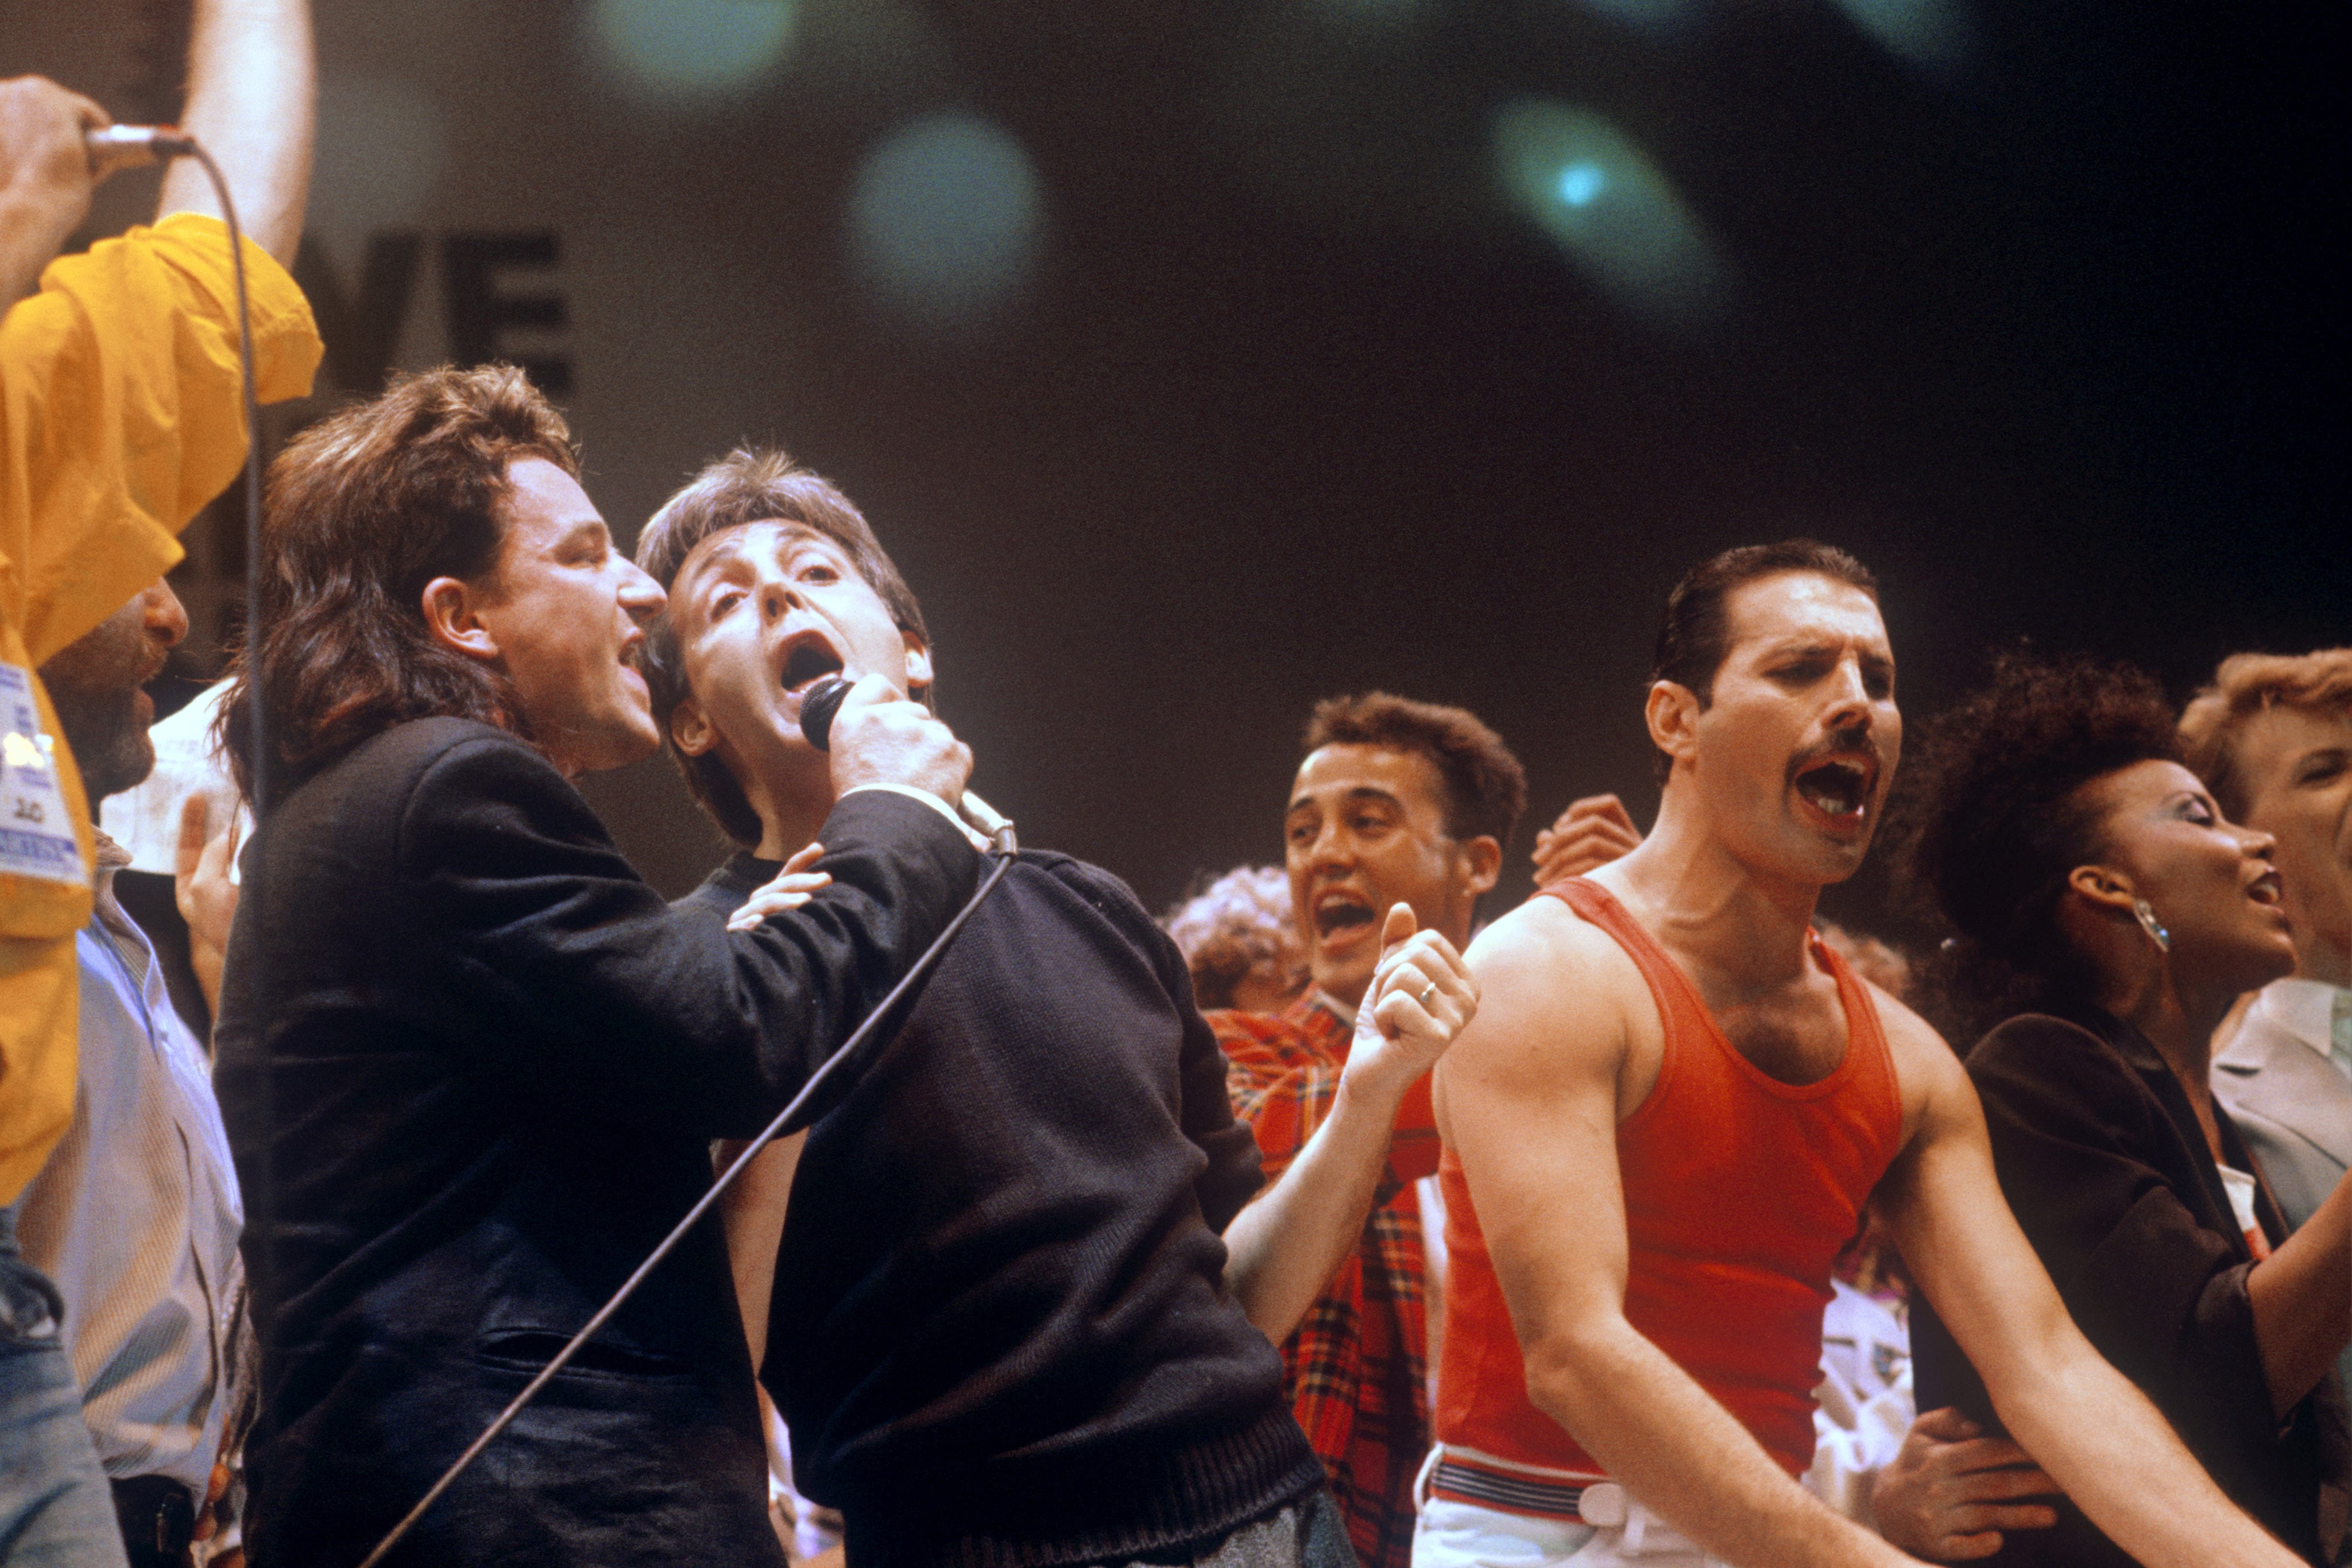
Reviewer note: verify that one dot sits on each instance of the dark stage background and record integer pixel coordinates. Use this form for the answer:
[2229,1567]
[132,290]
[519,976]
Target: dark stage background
[1200,359]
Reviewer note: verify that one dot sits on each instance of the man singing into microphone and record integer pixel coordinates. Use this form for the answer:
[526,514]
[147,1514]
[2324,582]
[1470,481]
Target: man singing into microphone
[470,1063]
[1004,1327]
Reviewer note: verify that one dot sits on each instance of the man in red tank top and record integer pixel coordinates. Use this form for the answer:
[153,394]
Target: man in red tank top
[1667,1119]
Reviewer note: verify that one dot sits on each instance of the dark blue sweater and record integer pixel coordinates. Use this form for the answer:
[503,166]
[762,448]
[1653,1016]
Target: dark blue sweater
[1000,1332]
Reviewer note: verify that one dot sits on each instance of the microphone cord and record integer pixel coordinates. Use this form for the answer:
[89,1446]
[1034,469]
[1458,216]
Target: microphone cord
[262,1207]
[166,142]
[1004,851]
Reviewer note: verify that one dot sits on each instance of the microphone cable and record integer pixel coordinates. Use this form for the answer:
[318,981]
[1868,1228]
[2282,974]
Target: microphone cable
[1004,851]
[114,147]
[818,708]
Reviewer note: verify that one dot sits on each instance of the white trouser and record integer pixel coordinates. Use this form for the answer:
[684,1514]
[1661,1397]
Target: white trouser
[1449,1534]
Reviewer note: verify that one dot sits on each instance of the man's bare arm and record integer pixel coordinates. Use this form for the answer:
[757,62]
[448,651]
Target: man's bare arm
[2085,1424]
[1529,1098]
[45,180]
[1284,1247]
[251,97]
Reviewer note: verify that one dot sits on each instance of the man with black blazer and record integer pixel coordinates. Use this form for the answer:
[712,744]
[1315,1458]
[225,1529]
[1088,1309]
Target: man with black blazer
[469,1061]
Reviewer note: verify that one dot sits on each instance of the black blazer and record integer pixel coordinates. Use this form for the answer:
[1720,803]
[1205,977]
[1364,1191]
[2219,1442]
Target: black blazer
[2102,1160]
[496,1060]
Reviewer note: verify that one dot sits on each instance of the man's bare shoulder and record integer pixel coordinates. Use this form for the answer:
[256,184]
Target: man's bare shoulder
[1925,1067]
[1552,986]
[1545,943]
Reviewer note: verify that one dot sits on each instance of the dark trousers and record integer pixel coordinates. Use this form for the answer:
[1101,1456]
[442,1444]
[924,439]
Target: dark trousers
[158,1518]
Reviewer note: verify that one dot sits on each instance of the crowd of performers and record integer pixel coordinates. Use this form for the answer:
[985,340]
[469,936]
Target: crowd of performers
[1650,1220]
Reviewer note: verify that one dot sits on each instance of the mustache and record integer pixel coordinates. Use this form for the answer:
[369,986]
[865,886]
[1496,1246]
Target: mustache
[1851,742]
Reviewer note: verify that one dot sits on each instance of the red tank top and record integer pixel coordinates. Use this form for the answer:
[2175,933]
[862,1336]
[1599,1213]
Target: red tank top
[1739,1190]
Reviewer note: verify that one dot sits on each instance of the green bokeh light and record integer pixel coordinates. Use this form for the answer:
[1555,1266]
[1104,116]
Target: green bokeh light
[694,48]
[1603,202]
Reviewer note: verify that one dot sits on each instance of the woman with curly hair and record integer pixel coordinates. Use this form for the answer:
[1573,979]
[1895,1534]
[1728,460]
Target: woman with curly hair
[2106,911]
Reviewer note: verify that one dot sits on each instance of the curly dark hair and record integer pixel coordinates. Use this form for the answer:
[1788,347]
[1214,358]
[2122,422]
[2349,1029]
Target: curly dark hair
[1996,816]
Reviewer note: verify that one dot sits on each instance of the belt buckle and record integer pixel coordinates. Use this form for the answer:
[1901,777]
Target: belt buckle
[1603,1505]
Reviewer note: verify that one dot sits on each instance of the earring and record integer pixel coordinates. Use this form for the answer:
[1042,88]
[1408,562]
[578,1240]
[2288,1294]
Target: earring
[2145,913]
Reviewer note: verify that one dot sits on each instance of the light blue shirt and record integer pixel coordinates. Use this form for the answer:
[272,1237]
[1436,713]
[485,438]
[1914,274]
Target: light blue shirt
[136,1215]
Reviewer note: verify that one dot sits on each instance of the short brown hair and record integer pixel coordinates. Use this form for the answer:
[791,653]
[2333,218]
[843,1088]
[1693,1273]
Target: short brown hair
[2244,686]
[1485,787]
[1695,635]
[362,510]
[750,484]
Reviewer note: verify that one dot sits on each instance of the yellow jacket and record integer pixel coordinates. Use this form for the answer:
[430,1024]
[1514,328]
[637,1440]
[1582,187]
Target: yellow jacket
[120,415]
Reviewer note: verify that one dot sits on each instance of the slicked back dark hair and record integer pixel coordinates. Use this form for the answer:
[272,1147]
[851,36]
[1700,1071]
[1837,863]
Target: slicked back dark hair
[1998,814]
[362,510]
[1485,787]
[1695,635]
[750,484]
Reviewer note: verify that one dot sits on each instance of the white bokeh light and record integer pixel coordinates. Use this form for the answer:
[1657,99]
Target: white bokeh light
[1610,207]
[946,218]
[694,48]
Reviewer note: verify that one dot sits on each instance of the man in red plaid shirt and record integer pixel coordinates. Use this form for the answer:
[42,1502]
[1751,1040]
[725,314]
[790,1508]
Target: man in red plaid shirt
[1397,801]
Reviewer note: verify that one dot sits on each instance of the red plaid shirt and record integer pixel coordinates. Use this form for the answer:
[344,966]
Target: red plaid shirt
[1356,1362]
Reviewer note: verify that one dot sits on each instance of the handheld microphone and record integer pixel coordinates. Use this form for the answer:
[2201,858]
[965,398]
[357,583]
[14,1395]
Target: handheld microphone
[817,709]
[114,147]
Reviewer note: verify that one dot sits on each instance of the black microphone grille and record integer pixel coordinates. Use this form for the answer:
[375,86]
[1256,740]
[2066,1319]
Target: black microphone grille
[822,701]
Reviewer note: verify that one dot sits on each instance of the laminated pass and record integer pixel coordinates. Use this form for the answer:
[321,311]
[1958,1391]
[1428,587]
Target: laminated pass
[37,831]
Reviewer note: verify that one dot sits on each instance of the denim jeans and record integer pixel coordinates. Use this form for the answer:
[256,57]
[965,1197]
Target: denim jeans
[55,1508]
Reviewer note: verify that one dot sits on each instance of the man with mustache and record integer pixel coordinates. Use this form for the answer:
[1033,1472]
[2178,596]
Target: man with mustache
[1667,1118]
[1024,1297]
[1396,801]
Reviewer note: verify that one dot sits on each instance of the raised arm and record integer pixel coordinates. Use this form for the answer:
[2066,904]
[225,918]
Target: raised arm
[251,102]
[2080,1419]
[1528,1099]
[45,180]
[1285,1247]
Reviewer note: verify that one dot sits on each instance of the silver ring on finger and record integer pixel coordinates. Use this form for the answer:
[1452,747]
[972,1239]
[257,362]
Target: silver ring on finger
[1428,990]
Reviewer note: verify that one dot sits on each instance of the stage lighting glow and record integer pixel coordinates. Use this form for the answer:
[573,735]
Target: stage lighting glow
[946,219]
[1580,182]
[694,48]
[1930,34]
[1602,201]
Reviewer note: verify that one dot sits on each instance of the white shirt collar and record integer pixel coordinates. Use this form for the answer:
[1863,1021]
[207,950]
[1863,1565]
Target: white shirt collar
[1346,1014]
[2304,1009]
